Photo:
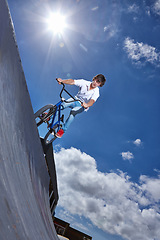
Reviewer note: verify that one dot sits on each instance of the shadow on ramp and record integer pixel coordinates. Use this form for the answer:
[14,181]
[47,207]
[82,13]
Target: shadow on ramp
[24,179]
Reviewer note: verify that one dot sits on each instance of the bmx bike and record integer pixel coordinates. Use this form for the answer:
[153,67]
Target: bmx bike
[52,116]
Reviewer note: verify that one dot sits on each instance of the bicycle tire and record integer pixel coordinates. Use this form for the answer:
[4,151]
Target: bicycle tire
[39,118]
[51,136]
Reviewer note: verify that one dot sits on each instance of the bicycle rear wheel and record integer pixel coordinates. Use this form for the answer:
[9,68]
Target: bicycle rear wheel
[44,113]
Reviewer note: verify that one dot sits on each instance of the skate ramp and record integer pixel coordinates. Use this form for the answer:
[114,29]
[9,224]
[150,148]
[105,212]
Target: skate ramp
[24,179]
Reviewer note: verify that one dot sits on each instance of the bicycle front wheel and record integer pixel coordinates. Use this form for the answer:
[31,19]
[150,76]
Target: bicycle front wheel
[43,114]
[50,137]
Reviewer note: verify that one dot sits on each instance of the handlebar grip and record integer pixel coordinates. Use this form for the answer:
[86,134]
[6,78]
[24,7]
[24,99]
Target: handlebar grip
[60,82]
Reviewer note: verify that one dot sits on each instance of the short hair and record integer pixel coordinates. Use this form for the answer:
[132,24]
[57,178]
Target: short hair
[101,78]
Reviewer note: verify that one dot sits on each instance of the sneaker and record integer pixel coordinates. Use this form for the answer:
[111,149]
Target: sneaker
[60,133]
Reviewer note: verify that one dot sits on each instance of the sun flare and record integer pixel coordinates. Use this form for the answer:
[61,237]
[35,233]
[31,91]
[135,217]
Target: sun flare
[56,23]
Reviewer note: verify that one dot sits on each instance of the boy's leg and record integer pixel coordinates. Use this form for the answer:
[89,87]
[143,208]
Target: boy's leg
[76,110]
[68,105]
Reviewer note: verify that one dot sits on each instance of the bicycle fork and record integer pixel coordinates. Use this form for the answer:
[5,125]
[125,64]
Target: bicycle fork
[57,124]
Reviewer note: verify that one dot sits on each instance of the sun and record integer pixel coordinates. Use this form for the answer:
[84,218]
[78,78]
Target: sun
[56,23]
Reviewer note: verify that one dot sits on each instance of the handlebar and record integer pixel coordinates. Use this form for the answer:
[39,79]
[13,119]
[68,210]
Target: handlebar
[63,89]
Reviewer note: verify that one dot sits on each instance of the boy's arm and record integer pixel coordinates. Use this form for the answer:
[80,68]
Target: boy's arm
[89,104]
[66,81]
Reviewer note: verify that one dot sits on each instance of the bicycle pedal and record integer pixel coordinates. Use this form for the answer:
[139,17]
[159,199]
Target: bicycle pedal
[52,131]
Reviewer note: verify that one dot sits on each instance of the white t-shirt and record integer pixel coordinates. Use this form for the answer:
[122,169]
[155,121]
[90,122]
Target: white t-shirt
[84,94]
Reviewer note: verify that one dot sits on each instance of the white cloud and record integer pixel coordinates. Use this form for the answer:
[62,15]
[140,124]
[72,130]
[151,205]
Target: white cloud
[137,142]
[133,8]
[110,30]
[141,53]
[148,11]
[127,156]
[111,201]
[156,7]
[151,186]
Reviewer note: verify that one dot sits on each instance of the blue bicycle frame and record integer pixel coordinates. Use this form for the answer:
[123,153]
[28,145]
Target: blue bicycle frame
[58,109]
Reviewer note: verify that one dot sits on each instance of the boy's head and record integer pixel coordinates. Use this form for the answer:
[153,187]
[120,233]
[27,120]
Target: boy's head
[99,78]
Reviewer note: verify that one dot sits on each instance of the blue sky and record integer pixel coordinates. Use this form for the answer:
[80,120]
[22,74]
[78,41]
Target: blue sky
[108,162]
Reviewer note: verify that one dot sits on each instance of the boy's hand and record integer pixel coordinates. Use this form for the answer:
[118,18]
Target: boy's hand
[89,104]
[85,105]
[59,80]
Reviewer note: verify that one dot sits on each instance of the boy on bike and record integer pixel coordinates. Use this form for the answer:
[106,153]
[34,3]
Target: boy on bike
[88,94]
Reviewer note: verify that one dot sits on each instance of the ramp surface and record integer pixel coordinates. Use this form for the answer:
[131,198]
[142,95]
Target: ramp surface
[24,180]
